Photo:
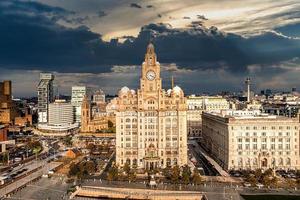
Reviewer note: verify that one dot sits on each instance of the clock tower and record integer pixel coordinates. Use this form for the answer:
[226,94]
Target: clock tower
[150,78]
[151,127]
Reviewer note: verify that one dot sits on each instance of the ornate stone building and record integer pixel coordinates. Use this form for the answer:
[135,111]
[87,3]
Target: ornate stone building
[151,129]
[245,139]
[93,121]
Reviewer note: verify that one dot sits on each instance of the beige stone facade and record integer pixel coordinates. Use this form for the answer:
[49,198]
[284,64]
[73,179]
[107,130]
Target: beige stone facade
[90,123]
[151,129]
[251,140]
[196,105]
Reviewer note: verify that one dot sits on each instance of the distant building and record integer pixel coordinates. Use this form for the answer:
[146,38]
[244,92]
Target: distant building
[73,153]
[3,133]
[45,96]
[24,120]
[251,140]
[61,117]
[61,113]
[99,97]
[93,122]
[196,105]
[8,110]
[99,101]
[78,92]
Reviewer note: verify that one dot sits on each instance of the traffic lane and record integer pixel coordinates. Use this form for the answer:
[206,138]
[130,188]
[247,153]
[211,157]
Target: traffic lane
[207,167]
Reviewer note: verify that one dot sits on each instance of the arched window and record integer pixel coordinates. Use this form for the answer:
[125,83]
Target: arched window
[240,162]
[128,161]
[255,161]
[248,162]
[134,162]
[127,119]
[288,161]
[280,161]
[168,162]
[175,161]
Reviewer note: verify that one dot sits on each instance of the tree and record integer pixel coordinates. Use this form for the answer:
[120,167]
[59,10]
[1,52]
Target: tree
[274,182]
[132,175]
[126,168]
[251,179]
[186,174]
[268,172]
[258,173]
[5,158]
[113,173]
[68,141]
[175,174]
[167,172]
[196,178]
[266,180]
[74,169]
[90,167]
[291,183]
[90,147]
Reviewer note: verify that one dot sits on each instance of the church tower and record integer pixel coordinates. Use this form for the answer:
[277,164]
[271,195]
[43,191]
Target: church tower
[85,114]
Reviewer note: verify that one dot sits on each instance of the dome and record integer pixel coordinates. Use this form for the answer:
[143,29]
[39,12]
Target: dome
[177,90]
[169,91]
[124,90]
[132,92]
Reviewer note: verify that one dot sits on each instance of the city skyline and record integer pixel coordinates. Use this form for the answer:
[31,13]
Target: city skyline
[207,47]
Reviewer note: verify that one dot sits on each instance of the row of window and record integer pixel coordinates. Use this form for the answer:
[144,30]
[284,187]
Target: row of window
[264,134]
[272,153]
[264,128]
[264,146]
[287,140]
[254,161]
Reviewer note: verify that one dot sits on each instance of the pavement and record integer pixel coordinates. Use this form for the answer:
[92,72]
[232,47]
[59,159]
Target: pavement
[27,179]
[44,188]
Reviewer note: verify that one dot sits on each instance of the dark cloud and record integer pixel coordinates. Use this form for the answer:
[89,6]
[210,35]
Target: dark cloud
[135,5]
[292,30]
[31,39]
[101,13]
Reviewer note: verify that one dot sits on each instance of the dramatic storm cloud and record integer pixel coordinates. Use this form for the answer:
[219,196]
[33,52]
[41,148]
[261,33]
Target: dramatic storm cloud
[37,37]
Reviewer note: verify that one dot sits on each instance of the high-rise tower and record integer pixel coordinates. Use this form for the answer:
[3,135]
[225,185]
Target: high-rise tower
[247,82]
[45,96]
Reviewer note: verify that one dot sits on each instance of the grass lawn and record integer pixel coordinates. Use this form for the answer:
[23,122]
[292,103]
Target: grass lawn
[270,197]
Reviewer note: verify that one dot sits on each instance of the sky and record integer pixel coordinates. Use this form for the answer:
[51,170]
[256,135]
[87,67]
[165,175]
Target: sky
[208,46]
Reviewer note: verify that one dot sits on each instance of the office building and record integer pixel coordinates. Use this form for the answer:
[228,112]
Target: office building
[78,92]
[196,105]
[251,140]
[61,118]
[45,96]
[151,129]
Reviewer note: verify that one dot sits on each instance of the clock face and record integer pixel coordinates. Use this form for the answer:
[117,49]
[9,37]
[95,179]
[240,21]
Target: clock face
[150,75]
